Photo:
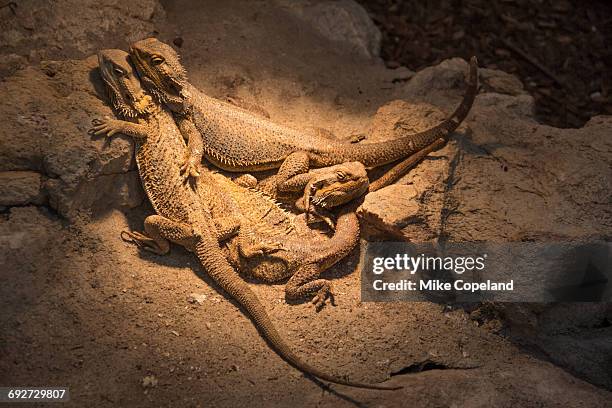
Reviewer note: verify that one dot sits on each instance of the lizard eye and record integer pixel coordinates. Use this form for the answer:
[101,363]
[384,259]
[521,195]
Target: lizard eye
[119,71]
[340,175]
[156,60]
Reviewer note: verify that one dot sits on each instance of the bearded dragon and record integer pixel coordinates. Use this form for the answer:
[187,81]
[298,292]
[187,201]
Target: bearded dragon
[235,139]
[272,244]
[182,215]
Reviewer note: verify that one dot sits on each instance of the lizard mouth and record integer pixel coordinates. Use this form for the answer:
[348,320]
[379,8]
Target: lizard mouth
[337,193]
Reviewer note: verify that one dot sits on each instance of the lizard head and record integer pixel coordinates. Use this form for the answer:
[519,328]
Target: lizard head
[125,92]
[337,185]
[159,67]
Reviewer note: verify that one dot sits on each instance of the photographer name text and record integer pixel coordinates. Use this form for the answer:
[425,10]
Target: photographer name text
[441,286]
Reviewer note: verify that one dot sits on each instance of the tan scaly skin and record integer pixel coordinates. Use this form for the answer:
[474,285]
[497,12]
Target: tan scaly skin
[182,216]
[270,244]
[235,139]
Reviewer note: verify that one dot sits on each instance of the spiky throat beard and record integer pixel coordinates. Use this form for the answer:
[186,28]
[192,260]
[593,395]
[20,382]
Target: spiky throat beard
[142,106]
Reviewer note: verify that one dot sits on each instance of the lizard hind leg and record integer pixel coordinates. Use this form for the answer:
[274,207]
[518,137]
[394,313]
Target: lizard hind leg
[250,249]
[306,282]
[158,232]
[142,241]
[227,227]
[296,163]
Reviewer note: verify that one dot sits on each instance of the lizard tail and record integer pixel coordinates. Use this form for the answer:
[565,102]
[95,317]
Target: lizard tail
[378,154]
[217,266]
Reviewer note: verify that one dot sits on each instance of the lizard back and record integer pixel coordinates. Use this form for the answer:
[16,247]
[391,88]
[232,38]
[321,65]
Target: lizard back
[234,137]
[158,158]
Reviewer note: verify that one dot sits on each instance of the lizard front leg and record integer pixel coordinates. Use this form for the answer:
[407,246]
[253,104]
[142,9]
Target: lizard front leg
[111,127]
[195,146]
[296,163]
[227,227]
[306,282]
[158,232]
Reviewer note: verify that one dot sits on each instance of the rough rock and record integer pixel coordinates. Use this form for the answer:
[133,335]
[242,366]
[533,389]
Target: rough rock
[414,205]
[149,381]
[197,298]
[393,213]
[575,336]
[46,116]
[496,81]
[49,30]
[28,227]
[511,178]
[11,63]
[508,178]
[20,188]
[344,22]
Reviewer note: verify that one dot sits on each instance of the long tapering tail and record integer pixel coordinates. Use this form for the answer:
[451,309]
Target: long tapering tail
[381,153]
[217,266]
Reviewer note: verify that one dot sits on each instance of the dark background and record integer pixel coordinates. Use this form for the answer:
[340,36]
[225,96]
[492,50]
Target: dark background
[561,50]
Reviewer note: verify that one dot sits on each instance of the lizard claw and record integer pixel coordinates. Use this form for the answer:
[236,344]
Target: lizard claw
[96,124]
[289,228]
[141,241]
[320,300]
[106,126]
[356,138]
[318,216]
[330,223]
[190,169]
[134,237]
[271,247]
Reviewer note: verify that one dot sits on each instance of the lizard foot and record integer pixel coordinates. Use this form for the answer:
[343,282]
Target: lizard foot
[262,249]
[313,216]
[142,241]
[270,247]
[322,295]
[190,168]
[106,126]
[356,138]
[246,180]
